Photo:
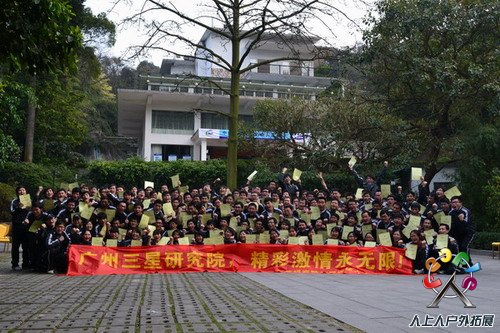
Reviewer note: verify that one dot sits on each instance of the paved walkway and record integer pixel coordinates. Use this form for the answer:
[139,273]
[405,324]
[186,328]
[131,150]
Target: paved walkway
[197,302]
[226,302]
[387,303]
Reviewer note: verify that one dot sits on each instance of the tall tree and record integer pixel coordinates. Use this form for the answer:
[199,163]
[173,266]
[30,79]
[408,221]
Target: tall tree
[435,63]
[243,26]
[321,134]
[37,38]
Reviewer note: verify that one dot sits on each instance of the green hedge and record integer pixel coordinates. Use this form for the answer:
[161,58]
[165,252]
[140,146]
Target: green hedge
[32,175]
[7,193]
[133,172]
[482,240]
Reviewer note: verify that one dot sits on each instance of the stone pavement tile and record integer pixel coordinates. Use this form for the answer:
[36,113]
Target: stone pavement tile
[6,325]
[158,328]
[116,329]
[240,326]
[38,325]
[75,329]
[199,328]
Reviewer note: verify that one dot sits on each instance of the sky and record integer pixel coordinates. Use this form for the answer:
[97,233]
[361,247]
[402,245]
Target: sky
[346,33]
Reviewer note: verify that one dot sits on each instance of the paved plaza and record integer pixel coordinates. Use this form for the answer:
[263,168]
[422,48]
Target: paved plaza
[229,302]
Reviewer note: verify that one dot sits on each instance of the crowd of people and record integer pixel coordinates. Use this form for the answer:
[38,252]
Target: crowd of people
[280,213]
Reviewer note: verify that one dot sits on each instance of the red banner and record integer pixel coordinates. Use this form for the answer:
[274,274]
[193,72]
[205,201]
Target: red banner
[96,260]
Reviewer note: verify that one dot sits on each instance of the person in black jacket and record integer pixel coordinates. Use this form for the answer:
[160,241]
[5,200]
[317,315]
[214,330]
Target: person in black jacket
[57,244]
[19,230]
[462,226]
[369,184]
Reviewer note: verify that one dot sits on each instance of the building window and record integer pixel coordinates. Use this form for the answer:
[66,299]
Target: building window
[214,121]
[265,68]
[172,122]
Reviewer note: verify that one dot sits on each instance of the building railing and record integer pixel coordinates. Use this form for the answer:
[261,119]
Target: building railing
[218,86]
[297,70]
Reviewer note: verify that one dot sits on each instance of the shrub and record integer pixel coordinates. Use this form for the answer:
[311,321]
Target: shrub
[483,240]
[7,193]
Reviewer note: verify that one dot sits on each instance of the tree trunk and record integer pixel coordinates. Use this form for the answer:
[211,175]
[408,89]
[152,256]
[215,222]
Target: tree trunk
[30,125]
[232,145]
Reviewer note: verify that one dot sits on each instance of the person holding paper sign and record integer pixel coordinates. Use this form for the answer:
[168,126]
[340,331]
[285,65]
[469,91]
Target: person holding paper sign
[57,243]
[34,221]
[462,226]
[369,183]
[422,252]
[451,244]
[285,181]
[19,230]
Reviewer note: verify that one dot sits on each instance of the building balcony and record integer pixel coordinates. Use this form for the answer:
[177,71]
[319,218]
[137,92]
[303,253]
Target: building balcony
[258,85]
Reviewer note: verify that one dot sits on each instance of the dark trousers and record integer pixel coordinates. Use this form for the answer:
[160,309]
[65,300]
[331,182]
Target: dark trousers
[19,239]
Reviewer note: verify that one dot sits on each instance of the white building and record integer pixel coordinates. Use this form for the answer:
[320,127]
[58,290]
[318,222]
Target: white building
[181,114]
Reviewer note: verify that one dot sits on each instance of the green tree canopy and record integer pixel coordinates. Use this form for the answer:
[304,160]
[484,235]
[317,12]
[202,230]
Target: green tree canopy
[435,63]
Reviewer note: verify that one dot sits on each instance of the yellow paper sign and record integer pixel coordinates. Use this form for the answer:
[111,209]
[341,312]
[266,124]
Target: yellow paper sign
[48,204]
[110,214]
[112,243]
[103,230]
[233,222]
[168,209]
[352,161]
[317,240]
[97,241]
[251,239]
[370,244]
[136,242]
[184,241]
[303,240]
[438,217]
[35,226]
[176,182]
[143,224]
[252,175]
[146,203]
[368,206]
[411,251]
[296,174]
[148,184]
[416,173]
[264,238]
[384,238]
[446,219]
[163,241]
[151,215]
[453,192]
[315,213]
[183,189]
[72,186]
[25,200]
[87,213]
[331,241]
[359,194]
[366,229]
[385,189]
[429,236]
[292,241]
[283,234]
[346,230]
[414,221]
[225,209]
